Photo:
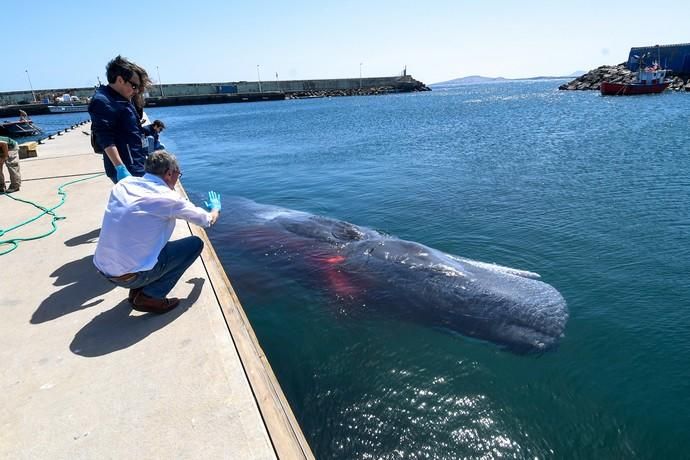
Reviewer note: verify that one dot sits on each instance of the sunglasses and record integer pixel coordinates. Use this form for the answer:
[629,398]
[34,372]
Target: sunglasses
[135,86]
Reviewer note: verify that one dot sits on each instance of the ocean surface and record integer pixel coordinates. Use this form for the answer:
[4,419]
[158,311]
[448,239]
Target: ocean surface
[591,192]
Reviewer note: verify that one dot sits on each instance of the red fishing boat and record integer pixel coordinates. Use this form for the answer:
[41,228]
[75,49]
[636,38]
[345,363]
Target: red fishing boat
[649,80]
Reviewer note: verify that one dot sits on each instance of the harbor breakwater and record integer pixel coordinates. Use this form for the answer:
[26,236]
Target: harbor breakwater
[616,74]
[222,92]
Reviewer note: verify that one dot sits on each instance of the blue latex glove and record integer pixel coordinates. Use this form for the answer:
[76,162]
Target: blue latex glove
[213,202]
[122,172]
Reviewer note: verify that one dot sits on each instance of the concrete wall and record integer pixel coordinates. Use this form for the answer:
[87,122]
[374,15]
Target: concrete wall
[286,86]
[24,97]
[187,89]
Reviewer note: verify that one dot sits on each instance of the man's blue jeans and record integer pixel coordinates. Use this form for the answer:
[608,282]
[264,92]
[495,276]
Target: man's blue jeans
[173,261]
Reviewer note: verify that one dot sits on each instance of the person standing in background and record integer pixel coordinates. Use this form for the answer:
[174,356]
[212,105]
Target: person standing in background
[9,156]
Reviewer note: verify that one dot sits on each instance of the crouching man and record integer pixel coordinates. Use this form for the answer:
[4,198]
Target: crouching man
[134,250]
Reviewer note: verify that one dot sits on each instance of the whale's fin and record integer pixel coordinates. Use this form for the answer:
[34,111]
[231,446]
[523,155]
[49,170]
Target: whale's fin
[501,268]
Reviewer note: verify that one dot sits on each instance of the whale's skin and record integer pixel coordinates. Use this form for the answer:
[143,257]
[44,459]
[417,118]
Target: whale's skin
[374,272]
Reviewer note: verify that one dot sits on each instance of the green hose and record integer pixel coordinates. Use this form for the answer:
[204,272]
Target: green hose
[14,242]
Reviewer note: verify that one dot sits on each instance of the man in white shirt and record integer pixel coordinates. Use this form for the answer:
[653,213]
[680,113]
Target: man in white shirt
[134,250]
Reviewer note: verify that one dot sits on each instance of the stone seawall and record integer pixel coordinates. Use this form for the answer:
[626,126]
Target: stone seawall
[616,74]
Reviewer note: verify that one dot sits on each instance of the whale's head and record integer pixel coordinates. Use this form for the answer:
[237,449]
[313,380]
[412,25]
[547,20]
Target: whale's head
[523,313]
[506,306]
[490,302]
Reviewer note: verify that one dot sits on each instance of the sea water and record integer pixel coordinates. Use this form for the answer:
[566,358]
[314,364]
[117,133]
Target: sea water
[591,192]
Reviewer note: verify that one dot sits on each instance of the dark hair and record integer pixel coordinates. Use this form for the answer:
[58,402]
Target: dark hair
[119,67]
[122,67]
[160,162]
[159,124]
[139,102]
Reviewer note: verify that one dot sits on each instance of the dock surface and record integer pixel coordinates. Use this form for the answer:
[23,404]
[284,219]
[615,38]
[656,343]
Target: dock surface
[85,376]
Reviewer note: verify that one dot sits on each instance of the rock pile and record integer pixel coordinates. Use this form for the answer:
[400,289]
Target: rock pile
[339,92]
[370,91]
[616,74]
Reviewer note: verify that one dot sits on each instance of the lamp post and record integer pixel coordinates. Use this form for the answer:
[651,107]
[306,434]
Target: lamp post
[259,77]
[360,75]
[160,83]
[30,85]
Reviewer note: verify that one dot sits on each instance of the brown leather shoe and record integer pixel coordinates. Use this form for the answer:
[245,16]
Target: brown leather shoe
[147,304]
[133,293]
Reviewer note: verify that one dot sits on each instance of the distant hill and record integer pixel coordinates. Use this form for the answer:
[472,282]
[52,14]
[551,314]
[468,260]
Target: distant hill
[477,79]
[471,80]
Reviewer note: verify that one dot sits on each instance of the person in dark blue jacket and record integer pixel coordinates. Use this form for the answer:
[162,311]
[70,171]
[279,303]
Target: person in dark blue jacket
[115,122]
[152,132]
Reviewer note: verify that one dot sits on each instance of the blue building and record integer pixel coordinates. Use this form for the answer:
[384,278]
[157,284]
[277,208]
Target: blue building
[676,58]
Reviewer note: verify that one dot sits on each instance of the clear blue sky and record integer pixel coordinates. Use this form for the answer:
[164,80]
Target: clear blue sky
[66,43]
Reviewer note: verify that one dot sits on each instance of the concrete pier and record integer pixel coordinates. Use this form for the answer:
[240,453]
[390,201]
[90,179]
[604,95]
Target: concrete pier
[85,376]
